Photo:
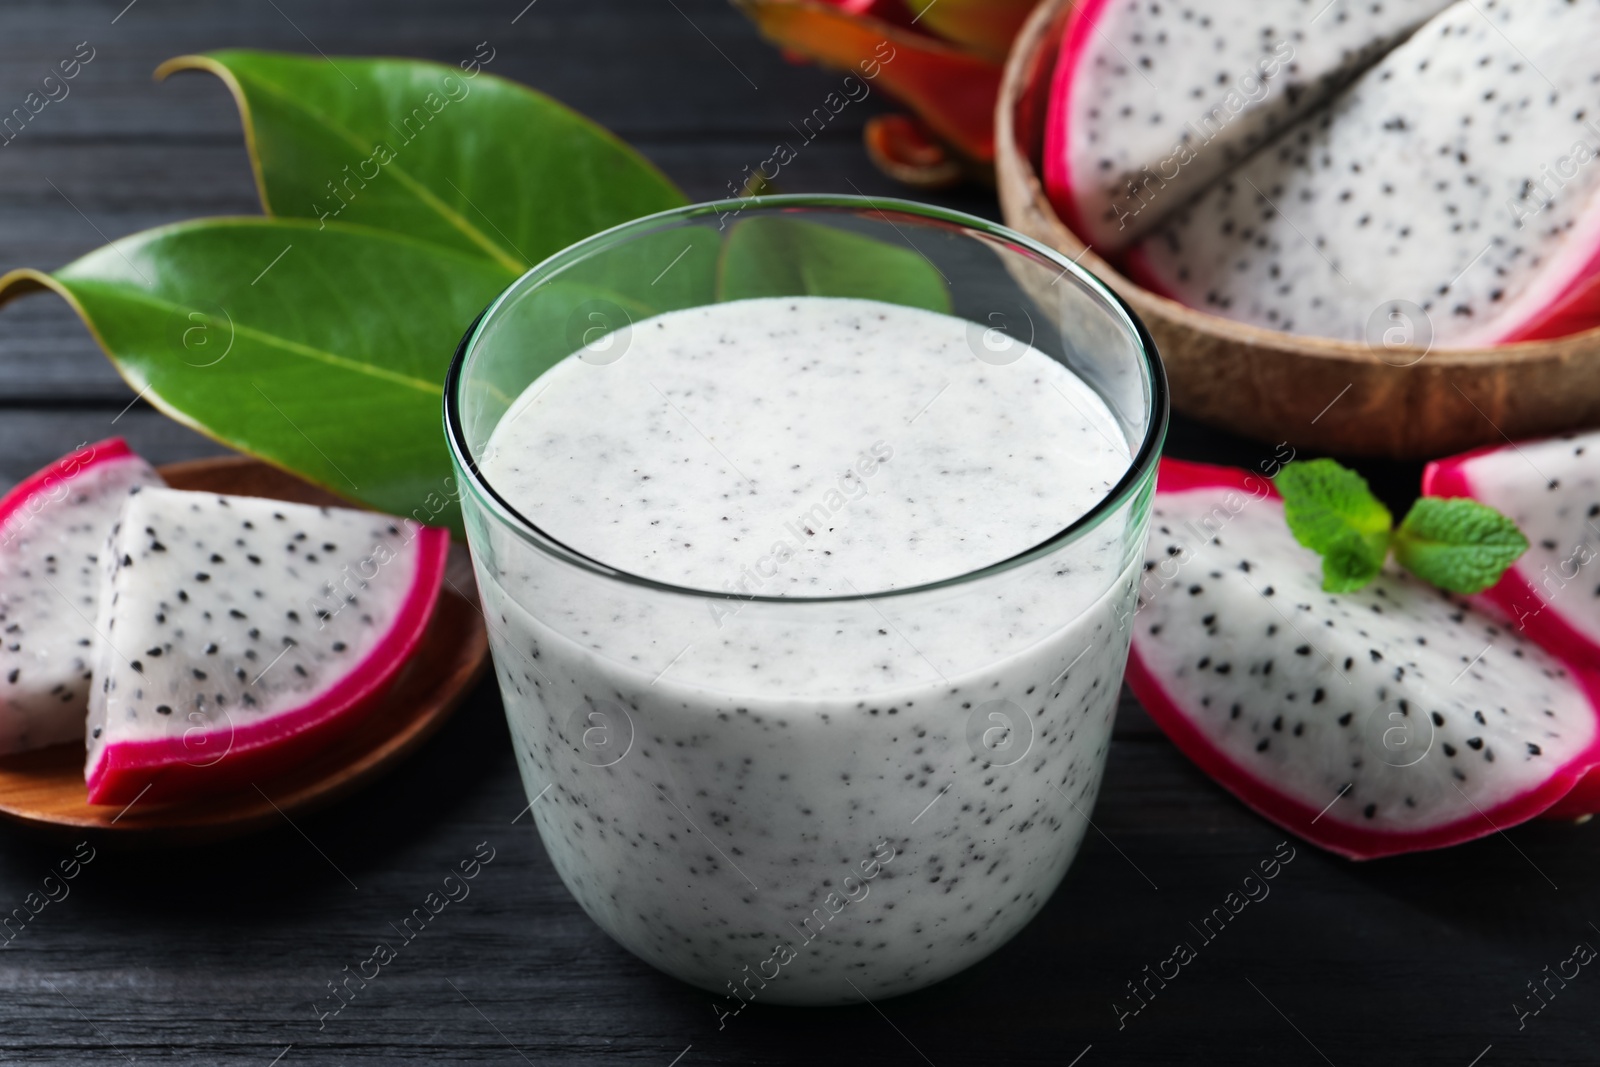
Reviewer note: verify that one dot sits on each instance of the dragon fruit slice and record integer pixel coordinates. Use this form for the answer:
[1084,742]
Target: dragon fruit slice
[1370,723]
[53,527]
[240,633]
[1449,195]
[1150,102]
[1551,489]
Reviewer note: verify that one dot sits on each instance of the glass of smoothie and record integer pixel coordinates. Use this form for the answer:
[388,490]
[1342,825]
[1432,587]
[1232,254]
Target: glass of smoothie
[807,532]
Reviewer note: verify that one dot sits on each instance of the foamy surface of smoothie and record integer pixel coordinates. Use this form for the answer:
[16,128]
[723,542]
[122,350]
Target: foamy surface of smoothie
[806,446]
[801,801]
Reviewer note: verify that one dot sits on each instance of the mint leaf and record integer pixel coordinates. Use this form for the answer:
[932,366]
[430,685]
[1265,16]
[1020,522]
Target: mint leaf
[1331,511]
[1349,563]
[1457,544]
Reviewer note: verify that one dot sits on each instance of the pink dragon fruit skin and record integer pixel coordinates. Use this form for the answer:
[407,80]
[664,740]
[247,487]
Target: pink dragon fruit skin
[1551,489]
[1229,596]
[53,526]
[240,634]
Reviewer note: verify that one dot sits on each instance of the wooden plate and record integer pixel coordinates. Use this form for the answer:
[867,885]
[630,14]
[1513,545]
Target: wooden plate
[1315,393]
[45,788]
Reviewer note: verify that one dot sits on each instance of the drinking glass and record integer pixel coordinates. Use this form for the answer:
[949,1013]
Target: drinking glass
[902,780]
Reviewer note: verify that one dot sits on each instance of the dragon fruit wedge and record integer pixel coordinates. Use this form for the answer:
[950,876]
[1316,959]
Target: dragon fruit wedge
[239,633]
[1448,197]
[1370,723]
[1551,490]
[53,527]
[1150,102]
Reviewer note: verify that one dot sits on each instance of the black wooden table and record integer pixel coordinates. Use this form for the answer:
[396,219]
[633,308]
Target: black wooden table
[218,954]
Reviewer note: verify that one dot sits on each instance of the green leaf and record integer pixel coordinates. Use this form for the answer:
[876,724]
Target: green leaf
[591,298]
[1349,563]
[465,160]
[773,256]
[1331,511]
[1457,544]
[322,350]
[688,266]
[407,196]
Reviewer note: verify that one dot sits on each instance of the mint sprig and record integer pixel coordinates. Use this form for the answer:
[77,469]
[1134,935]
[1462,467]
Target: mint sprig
[1331,511]
[1457,544]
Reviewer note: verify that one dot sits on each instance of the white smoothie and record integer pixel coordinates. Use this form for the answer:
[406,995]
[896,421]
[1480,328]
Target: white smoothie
[770,798]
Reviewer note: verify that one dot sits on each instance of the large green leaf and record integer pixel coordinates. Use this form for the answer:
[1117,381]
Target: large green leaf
[321,349]
[776,256]
[319,340]
[595,297]
[465,160]
[582,306]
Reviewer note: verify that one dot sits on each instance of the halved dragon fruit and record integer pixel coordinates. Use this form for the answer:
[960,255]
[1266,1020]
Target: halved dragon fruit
[1450,195]
[1551,490]
[238,633]
[1150,101]
[53,527]
[1370,723]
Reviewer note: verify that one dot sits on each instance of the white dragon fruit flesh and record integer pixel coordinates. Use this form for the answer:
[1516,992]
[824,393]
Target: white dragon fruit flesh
[1151,101]
[239,632]
[1447,197]
[1370,723]
[53,527]
[1551,490]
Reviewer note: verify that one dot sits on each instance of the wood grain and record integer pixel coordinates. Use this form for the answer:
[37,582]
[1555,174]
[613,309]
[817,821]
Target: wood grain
[1315,393]
[45,789]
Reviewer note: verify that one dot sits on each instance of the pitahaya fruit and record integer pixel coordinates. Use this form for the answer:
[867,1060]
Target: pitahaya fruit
[1149,102]
[1551,490]
[1448,196]
[53,527]
[1370,723]
[238,633]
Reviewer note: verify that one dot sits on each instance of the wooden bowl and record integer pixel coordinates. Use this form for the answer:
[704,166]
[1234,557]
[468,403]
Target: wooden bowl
[1315,393]
[45,788]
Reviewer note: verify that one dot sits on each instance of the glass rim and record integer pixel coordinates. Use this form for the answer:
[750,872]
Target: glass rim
[1141,466]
